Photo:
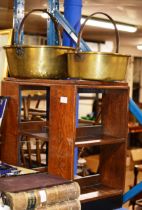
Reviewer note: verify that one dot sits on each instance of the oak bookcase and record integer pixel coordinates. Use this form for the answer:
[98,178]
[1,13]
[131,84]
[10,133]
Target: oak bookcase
[103,190]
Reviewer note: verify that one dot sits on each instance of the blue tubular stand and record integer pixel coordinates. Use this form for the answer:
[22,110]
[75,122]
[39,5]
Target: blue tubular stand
[52,38]
[135,110]
[72,13]
[18,14]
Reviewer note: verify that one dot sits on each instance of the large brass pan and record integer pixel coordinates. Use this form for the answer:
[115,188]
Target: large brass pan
[97,65]
[37,61]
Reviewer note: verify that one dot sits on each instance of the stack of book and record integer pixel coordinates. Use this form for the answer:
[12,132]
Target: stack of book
[41,192]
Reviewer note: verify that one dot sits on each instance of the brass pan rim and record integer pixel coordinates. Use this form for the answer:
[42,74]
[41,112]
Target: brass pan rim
[38,46]
[99,53]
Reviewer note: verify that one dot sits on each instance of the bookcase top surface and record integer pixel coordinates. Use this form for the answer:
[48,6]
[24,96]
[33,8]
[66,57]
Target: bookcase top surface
[74,82]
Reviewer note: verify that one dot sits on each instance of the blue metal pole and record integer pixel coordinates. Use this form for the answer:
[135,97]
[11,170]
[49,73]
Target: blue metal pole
[52,38]
[18,14]
[72,12]
[135,110]
[132,193]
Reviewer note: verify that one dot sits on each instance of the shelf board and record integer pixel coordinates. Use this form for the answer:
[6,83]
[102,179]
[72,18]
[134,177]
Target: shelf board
[92,193]
[98,140]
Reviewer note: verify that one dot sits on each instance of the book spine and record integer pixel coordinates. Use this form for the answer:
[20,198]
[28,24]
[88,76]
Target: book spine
[33,199]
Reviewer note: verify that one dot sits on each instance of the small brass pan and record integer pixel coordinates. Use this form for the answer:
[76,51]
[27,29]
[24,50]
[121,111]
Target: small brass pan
[97,65]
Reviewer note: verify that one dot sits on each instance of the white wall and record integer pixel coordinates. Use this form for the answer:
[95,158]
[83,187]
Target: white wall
[85,106]
[125,49]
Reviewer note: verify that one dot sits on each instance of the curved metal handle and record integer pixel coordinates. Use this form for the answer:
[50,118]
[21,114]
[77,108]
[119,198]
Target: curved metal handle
[83,25]
[39,10]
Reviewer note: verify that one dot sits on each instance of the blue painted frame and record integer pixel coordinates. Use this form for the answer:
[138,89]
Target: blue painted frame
[18,14]
[76,148]
[52,38]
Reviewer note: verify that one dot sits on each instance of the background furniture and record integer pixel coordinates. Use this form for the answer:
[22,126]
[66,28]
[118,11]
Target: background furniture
[135,133]
[136,155]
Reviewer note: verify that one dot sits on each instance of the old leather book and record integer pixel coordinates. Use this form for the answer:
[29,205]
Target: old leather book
[36,190]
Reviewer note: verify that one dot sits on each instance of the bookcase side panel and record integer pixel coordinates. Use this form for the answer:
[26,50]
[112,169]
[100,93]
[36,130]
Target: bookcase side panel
[115,123]
[9,146]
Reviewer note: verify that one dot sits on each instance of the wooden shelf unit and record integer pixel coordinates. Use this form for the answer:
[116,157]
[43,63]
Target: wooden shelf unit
[65,133]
